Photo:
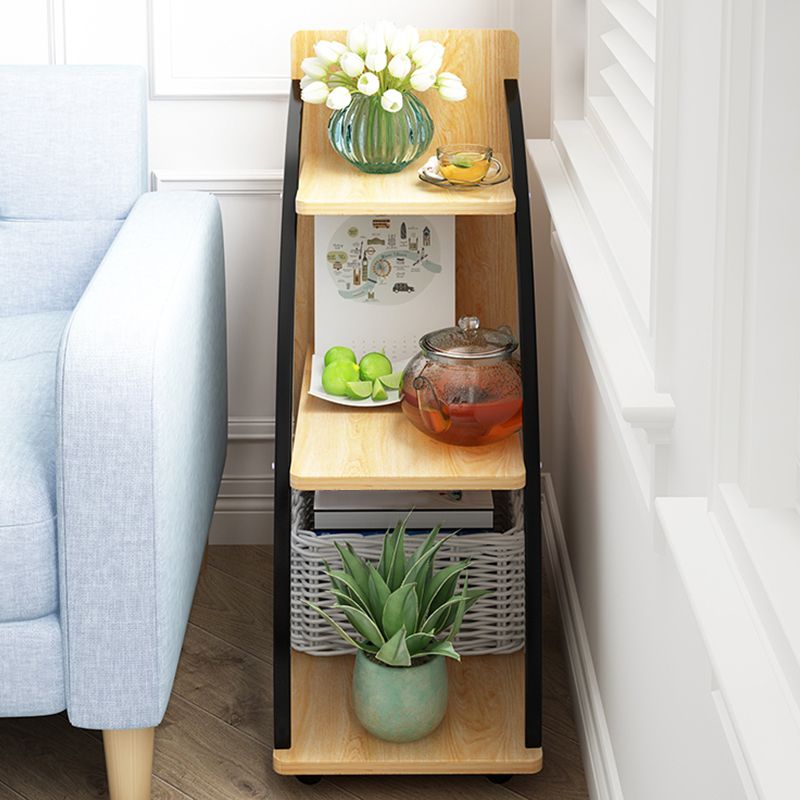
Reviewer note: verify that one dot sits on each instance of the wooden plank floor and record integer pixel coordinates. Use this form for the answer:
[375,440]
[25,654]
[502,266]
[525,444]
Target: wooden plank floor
[214,743]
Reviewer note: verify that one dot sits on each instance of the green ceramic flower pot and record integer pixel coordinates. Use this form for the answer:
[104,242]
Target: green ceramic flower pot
[400,704]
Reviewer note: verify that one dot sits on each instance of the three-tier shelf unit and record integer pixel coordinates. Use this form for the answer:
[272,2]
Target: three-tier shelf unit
[494,720]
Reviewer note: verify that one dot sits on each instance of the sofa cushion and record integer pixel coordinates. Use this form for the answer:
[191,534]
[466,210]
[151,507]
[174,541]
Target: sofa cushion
[28,574]
[72,164]
[46,264]
[31,668]
[73,141]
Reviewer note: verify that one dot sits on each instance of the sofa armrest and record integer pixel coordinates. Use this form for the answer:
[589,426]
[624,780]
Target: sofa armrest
[142,414]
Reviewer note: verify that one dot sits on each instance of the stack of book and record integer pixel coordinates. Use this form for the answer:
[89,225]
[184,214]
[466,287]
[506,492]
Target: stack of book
[375,511]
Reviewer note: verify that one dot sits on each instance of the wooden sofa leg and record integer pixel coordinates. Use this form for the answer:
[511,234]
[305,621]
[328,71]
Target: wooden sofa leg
[129,763]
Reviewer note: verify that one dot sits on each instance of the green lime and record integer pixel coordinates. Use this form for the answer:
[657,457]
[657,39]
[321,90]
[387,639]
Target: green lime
[374,366]
[392,381]
[378,392]
[358,390]
[340,354]
[336,376]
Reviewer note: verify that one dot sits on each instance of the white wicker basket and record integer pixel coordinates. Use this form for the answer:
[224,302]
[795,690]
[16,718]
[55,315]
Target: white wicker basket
[495,624]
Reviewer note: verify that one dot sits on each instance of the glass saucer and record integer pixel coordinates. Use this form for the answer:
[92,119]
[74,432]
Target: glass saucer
[497,173]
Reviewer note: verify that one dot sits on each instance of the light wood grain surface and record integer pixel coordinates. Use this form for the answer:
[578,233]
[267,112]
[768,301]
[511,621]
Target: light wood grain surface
[482,732]
[129,762]
[329,185]
[341,447]
[303,302]
[216,739]
[486,271]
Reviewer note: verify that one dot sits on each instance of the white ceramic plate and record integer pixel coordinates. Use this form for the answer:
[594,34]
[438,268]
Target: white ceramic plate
[315,387]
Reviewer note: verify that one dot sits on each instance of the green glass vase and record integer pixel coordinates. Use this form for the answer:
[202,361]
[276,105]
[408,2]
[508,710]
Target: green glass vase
[379,141]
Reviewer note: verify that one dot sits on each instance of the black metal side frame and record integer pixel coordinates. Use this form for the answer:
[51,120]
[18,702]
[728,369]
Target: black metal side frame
[284,382]
[282,674]
[532,494]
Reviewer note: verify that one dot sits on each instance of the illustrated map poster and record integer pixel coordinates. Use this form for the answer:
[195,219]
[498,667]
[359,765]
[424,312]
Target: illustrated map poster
[382,282]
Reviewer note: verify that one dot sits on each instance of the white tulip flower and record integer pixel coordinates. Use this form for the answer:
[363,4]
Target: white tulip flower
[453,92]
[352,64]
[305,80]
[400,43]
[316,92]
[450,87]
[357,39]
[413,36]
[392,100]
[338,98]
[448,79]
[314,67]
[400,66]
[426,52]
[387,30]
[376,60]
[326,52]
[368,83]
[375,40]
[422,79]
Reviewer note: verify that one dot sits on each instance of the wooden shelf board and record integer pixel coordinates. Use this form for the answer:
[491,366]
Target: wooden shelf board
[483,732]
[341,447]
[329,185]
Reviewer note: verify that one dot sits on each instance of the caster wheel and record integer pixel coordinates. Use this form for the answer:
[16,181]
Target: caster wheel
[499,778]
[309,780]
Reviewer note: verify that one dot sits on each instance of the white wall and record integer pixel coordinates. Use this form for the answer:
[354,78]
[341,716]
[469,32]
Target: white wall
[682,538]
[654,679]
[218,72]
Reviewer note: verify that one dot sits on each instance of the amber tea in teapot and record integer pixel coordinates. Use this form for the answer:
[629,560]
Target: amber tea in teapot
[464,387]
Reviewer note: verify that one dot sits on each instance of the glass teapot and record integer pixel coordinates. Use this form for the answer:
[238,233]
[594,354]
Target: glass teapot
[464,387]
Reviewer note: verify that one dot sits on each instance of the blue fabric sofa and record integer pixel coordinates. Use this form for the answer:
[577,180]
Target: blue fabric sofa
[113,404]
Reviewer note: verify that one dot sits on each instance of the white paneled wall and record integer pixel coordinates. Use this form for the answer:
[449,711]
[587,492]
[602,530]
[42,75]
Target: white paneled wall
[218,81]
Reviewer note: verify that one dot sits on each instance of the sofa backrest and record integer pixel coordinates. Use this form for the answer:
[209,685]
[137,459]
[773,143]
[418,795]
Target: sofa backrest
[73,160]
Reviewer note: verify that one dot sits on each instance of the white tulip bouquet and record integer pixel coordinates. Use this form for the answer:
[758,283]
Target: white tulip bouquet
[381,58]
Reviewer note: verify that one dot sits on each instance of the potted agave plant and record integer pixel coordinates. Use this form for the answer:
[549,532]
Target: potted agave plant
[405,616]
[371,83]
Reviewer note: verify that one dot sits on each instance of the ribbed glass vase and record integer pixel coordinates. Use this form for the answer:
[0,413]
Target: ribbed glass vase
[379,141]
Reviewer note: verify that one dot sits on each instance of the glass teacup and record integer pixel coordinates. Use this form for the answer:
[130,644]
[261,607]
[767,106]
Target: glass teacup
[464,163]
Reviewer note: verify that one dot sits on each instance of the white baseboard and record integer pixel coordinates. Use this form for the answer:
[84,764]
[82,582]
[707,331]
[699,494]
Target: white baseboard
[245,511]
[241,527]
[600,766]
[245,504]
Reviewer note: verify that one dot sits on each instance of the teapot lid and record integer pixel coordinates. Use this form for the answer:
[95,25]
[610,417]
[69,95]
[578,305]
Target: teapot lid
[468,340]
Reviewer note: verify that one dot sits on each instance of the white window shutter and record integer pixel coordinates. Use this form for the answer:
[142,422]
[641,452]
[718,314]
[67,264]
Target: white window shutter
[620,100]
